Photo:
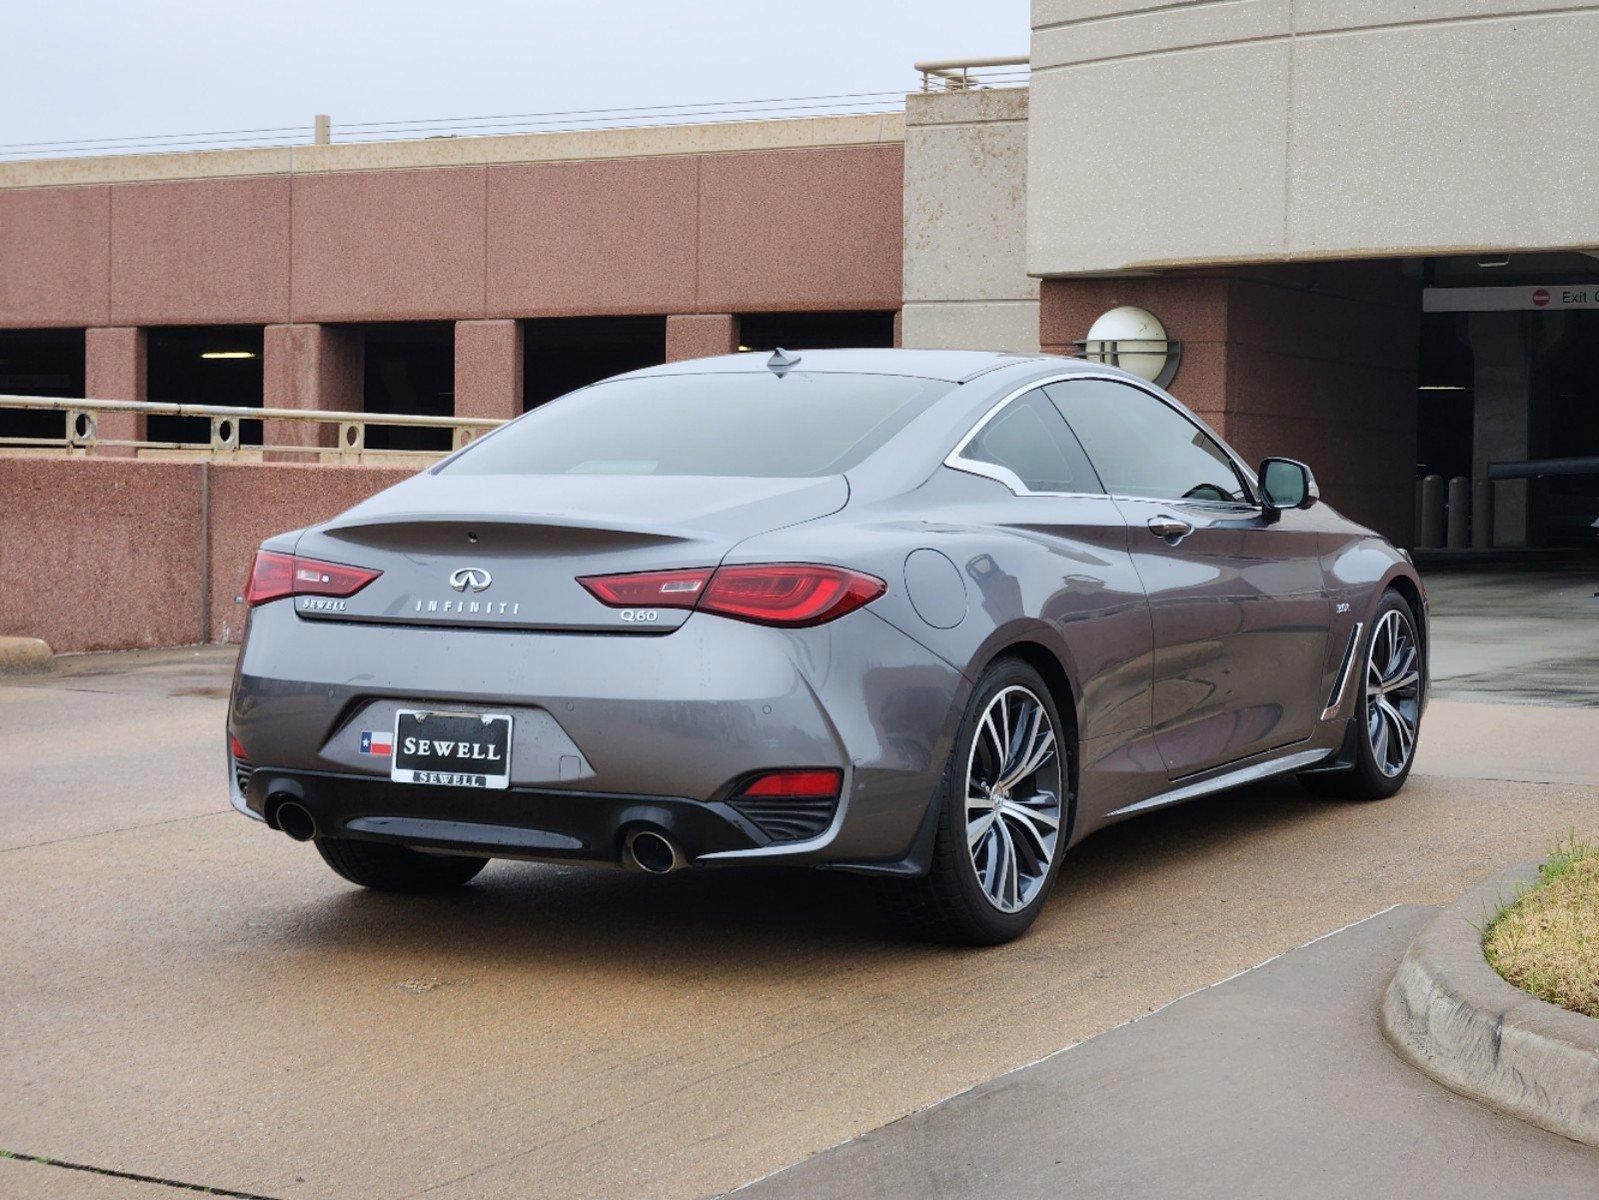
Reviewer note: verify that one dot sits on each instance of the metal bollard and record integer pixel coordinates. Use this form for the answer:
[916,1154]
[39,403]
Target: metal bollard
[1459,513]
[1482,513]
[1430,534]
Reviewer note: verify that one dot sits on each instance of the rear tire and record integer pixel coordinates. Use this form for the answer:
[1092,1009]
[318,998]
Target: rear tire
[994,864]
[1387,721]
[389,868]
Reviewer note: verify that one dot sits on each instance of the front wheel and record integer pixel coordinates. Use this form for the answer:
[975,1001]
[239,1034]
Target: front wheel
[1388,712]
[1003,817]
[390,868]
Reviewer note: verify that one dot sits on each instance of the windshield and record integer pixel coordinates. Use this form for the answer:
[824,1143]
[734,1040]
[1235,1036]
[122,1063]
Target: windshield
[792,426]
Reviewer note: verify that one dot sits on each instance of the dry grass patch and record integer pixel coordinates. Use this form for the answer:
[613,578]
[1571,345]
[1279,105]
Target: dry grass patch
[1547,943]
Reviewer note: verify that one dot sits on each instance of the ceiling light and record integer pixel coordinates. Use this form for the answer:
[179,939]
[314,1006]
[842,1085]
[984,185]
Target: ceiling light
[1443,387]
[214,354]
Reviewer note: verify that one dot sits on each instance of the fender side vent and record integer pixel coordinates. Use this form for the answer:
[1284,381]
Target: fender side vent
[1341,680]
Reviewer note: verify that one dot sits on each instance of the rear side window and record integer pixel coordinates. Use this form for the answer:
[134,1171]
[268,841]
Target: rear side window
[758,424]
[1029,444]
[1142,446]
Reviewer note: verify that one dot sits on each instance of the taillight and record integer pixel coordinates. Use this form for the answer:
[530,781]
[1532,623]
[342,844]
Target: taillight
[785,594]
[271,576]
[650,589]
[236,747]
[274,576]
[803,784]
[789,594]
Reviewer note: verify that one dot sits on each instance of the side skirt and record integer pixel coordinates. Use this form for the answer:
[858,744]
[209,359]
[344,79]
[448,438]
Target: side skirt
[1280,764]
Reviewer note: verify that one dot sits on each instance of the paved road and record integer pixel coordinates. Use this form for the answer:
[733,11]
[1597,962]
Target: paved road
[191,997]
[1517,637]
[1273,1083]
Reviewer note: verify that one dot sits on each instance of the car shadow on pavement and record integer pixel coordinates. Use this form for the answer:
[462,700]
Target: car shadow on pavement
[568,914]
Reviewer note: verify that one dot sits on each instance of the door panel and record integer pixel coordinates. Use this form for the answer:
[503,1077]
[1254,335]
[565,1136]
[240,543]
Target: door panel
[1237,602]
[1240,620]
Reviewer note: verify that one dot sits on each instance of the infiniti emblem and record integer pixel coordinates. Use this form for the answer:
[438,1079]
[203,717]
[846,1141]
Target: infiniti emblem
[473,578]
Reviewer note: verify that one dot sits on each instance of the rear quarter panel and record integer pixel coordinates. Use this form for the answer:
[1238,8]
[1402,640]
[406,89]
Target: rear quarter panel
[1050,571]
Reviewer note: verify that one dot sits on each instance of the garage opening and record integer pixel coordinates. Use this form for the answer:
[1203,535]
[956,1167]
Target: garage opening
[561,354]
[1509,399]
[203,364]
[410,368]
[39,362]
[815,330]
[1565,430]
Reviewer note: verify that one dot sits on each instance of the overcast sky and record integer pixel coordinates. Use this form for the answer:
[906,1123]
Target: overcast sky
[116,69]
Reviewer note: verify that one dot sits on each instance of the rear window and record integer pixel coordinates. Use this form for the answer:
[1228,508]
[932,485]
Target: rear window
[786,427]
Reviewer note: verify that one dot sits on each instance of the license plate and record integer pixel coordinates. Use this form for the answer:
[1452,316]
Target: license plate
[448,749]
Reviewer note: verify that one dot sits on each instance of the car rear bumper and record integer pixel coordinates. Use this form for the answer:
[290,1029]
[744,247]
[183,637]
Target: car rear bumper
[517,823]
[609,732]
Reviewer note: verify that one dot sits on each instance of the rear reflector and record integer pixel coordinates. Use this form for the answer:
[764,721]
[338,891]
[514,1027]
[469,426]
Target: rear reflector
[783,594]
[274,576]
[807,784]
[236,748]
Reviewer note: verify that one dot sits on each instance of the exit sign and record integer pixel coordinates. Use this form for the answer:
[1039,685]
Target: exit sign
[1511,299]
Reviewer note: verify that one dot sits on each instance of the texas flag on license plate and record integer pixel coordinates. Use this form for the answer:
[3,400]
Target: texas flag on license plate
[376,743]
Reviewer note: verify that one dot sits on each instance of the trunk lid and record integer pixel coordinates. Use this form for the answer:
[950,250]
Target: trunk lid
[505,551]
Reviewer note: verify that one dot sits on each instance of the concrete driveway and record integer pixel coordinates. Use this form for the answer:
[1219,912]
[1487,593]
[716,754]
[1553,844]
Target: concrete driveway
[1276,1082]
[189,997]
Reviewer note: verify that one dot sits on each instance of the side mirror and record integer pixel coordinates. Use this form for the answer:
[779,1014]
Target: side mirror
[1286,483]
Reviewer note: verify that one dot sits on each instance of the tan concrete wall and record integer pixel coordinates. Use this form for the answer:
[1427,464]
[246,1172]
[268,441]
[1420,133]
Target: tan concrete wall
[764,216]
[117,554]
[1180,133]
[966,282]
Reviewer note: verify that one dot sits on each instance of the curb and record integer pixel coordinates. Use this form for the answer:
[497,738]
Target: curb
[1449,1014]
[24,656]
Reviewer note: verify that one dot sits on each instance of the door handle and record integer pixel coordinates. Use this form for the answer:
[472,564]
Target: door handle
[1170,529]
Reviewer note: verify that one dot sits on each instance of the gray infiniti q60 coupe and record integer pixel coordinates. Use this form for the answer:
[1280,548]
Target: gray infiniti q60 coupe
[934,616]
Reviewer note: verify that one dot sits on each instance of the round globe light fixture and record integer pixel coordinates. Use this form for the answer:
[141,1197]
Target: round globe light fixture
[1133,339]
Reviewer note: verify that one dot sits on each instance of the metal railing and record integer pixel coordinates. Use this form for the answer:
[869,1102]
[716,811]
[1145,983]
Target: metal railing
[81,434]
[966,74]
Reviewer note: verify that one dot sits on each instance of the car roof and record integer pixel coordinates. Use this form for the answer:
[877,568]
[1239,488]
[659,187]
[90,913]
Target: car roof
[952,366]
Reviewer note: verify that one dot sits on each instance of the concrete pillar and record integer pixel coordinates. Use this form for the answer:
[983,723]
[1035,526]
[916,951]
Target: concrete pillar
[115,368]
[1430,525]
[488,369]
[311,367]
[1458,527]
[1501,415]
[700,335]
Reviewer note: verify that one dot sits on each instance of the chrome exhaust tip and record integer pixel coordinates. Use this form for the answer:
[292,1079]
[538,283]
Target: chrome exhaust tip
[295,820]
[654,852]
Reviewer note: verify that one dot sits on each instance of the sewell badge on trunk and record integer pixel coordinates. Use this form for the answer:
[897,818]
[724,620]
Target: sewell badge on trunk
[452,749]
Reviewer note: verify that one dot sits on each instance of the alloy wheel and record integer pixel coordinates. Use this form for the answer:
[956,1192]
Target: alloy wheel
[1013,798]
[1393,692]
